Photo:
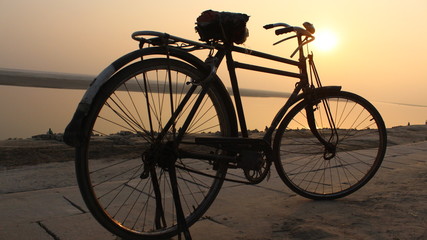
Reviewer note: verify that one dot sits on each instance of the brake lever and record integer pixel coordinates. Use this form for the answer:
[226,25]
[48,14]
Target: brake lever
[305,41]
[285,39]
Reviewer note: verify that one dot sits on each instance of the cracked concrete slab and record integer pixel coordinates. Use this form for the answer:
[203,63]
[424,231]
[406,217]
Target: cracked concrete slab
[23,230]
[35,206]
[80,226]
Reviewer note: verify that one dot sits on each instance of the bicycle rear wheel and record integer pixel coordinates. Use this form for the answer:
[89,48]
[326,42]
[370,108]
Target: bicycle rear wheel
[354,154]
[122,167]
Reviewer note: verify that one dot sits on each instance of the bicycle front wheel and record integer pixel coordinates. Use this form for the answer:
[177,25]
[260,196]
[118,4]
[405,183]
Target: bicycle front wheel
[356,143]
[122,166]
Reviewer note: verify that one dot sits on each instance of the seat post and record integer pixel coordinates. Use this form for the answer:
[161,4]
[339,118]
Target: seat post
[236,92]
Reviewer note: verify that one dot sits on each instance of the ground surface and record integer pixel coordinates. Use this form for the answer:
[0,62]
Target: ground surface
[39,200]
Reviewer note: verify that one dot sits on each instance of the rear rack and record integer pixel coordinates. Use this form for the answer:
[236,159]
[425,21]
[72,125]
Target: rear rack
[159,38]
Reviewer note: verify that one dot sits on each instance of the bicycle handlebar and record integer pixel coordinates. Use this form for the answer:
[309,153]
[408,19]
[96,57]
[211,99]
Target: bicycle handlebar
[284,30]
[268,26]
[308,31]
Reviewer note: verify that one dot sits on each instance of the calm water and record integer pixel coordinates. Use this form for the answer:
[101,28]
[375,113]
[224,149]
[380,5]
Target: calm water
[29,111]
[393,114]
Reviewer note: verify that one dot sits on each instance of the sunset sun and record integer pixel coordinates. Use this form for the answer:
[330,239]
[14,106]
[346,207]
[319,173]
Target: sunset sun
[326,40]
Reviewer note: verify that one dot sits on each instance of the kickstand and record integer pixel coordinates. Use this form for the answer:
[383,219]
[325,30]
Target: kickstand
[182,224]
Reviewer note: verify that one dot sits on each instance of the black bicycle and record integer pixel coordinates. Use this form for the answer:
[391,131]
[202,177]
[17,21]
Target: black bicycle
[157,130]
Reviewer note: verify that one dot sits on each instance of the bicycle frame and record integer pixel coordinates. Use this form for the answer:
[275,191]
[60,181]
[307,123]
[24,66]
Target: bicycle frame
[164,46]
[303,85]
[225,51]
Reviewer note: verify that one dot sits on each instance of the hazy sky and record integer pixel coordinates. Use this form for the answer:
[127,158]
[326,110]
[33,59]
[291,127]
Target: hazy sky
[381,50]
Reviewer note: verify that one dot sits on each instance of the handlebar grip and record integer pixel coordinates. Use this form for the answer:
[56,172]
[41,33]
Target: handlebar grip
[284,30]
[268,26]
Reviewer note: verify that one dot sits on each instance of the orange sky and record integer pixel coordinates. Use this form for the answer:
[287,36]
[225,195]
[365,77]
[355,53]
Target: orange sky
[381,52]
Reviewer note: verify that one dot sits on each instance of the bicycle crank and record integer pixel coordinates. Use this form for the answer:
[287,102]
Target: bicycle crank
[250,153]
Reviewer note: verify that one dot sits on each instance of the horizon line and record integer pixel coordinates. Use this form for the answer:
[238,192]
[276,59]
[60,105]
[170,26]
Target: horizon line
[42,79]
[45,79]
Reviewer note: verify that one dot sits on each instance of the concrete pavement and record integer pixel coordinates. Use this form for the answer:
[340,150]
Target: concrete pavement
[240,211]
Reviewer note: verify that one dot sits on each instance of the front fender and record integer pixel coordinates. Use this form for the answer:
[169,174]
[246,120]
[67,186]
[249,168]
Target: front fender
[317,92]
[73,134]
[313,92]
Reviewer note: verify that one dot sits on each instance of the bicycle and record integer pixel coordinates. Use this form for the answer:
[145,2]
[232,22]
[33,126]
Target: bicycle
[157,131]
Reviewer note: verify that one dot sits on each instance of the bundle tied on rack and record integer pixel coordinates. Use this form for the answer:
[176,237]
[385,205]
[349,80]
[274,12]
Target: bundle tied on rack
[222,26]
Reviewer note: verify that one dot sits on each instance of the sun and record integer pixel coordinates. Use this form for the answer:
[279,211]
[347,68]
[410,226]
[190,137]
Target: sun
[326,40]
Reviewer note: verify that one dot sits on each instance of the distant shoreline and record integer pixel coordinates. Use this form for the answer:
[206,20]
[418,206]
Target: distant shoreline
[44,148]
[58,136]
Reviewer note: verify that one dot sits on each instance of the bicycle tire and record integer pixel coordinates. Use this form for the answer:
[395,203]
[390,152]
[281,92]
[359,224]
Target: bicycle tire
[123,123]
[302,161]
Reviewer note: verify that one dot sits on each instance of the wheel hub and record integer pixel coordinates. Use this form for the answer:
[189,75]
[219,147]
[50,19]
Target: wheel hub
[161,155]
[330,151]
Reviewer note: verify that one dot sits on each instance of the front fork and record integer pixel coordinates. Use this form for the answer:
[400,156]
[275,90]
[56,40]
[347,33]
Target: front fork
[329,139]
